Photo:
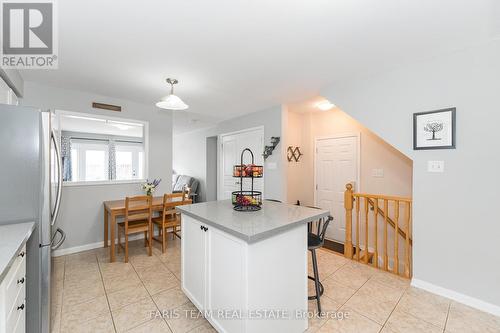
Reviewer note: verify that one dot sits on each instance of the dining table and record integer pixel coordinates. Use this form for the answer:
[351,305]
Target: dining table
[114,209]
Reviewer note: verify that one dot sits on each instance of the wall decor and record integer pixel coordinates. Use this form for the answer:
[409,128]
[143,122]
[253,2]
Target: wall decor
[293,154]
[434,129]
[268,150]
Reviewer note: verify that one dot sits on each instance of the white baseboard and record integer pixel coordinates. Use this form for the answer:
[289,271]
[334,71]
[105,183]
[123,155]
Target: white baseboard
[91,246]
[456,296]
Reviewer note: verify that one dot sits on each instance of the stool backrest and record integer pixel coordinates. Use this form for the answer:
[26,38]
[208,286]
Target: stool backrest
[321,226]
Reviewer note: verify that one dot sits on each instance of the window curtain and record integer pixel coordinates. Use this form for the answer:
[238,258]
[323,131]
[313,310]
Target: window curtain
[112,159]
[66,158]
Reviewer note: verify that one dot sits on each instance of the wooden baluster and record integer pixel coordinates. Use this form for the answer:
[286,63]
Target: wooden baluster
[396,237]
[366,230]
[407,257]
[348,221]
[375,221]
[386,255]
[358,199]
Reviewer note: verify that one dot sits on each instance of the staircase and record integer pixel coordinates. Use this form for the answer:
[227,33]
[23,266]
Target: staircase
[381,230]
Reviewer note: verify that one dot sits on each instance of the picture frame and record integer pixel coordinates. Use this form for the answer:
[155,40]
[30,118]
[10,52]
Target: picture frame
[434,129]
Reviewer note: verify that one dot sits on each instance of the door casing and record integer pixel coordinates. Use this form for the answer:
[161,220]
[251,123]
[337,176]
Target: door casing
[357,182]
[220,176]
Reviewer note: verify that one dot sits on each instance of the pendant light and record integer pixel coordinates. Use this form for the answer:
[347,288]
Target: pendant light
[171,101]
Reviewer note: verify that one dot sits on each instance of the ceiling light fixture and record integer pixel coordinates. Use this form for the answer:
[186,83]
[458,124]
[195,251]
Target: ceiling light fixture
[171,101]
[325,105]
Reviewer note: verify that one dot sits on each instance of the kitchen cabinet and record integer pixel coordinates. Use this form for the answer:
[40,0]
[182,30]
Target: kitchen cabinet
[247,272]
[12,296]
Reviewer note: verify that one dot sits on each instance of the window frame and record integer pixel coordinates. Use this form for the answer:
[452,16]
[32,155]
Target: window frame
[145,124]
[135,150]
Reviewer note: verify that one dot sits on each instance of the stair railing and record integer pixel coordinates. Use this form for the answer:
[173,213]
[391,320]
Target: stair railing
[401,221]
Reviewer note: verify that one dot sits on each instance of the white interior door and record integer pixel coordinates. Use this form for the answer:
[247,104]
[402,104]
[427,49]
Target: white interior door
[232,145]
[336,165]
[227,183]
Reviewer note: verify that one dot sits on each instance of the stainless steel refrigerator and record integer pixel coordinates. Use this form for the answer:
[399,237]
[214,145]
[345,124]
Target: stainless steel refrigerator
[30,190]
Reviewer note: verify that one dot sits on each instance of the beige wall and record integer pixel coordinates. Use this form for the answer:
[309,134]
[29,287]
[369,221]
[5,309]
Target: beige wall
[375,153]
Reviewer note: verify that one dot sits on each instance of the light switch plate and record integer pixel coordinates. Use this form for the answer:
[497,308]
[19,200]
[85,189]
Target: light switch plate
[435,166]
[378,173]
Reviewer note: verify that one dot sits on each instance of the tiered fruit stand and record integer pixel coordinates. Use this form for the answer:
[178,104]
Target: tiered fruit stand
[244,201]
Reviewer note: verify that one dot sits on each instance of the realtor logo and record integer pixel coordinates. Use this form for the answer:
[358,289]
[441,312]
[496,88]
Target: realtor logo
[28,35]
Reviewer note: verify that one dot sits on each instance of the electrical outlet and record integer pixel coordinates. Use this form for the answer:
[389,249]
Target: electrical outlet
[378,173]
[435,166]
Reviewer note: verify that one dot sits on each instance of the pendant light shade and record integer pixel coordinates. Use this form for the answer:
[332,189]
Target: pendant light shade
[171,101]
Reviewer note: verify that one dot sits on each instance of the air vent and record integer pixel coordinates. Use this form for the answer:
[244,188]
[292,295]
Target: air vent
[108,107]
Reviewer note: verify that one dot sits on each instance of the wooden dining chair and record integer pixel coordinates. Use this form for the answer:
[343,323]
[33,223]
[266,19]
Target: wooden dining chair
[169,218]
[138,212]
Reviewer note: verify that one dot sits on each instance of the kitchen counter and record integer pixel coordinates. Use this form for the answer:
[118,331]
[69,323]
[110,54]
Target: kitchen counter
[272,219]
[247,271]
[12,239]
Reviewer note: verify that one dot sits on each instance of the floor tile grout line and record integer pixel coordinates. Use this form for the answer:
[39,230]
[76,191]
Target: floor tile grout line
[394,309]
[170,289]
[447,315]
[420,319]
[106,294]
[151,296]
[343,304]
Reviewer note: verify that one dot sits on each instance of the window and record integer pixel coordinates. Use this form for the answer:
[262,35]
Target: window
[90,160]
[98,149]
[129,161]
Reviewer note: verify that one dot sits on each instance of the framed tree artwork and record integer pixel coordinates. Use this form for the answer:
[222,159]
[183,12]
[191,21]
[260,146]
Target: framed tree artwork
[434,129]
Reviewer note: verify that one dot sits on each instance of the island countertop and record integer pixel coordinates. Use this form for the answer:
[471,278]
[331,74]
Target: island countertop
[12,239]
[272,219]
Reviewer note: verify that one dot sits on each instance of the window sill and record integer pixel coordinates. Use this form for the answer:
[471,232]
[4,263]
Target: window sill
[104,182]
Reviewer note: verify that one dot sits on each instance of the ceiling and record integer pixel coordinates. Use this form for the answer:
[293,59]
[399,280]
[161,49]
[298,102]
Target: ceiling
[235,57]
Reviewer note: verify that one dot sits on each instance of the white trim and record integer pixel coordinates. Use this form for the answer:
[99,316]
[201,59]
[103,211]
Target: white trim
[456,296]
[357,135]
[91,246]
[145,125]
[250,129]
[220,178]
[104,182]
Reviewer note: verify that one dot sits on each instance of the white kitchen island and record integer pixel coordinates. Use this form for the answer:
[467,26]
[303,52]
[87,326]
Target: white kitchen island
[247,271]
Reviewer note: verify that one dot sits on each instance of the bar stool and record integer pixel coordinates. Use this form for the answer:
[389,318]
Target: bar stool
[315,240]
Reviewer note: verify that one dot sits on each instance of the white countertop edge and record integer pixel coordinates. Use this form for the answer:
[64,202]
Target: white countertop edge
[29,227]
[253,238]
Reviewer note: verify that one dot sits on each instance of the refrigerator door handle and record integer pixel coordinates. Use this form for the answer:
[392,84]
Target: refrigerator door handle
[57,149]
[61,240]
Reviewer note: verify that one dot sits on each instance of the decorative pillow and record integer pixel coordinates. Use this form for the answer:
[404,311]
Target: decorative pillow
[174,179]
[181,182]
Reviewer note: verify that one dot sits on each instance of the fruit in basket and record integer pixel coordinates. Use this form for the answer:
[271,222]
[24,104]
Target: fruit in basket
[249,169]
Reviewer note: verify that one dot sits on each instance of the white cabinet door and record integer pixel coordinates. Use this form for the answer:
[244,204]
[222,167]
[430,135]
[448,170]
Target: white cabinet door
[193,260]
[226,279]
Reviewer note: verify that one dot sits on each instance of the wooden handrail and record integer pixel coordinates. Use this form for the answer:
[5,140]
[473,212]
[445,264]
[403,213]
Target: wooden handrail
[362,246]
[383,197]
[390,221]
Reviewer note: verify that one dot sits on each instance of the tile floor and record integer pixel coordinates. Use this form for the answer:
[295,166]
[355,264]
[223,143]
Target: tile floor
[90,294]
